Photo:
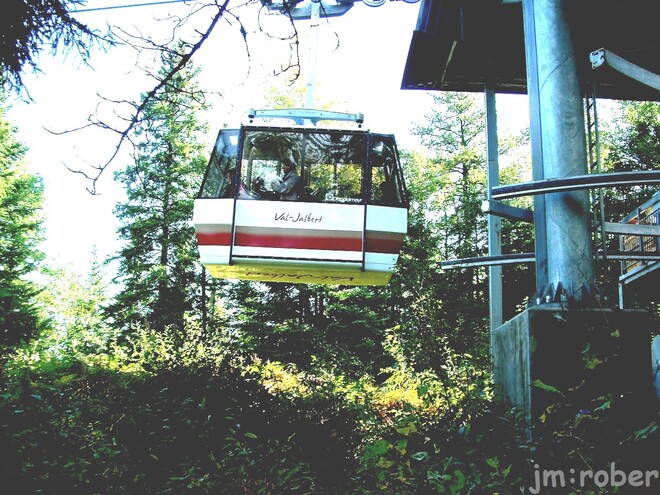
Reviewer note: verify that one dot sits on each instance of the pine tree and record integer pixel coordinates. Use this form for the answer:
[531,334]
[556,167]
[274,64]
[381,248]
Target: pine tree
[158,269]
[455,135]
[74,306]
[28,26]
[21,199]
[447,223]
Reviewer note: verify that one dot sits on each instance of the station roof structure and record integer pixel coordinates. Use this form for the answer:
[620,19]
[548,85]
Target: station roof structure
[460,45]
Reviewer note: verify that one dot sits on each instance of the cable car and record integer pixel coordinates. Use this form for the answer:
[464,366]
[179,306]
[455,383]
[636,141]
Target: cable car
[338,216]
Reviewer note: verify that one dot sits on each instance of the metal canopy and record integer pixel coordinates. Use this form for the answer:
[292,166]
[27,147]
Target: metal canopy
[462,45]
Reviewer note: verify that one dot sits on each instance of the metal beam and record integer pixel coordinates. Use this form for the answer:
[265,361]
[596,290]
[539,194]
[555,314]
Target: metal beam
[632,229]
[502,259]
[536,141]
[603,56]
[496,310]
[577,182]
[300,115]
[633,256]
[562,145]
[506,211]
[513,259]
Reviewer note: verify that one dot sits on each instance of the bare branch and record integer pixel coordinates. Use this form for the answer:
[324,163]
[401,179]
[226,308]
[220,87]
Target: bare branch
[181,52]
[134,120]
[293,37]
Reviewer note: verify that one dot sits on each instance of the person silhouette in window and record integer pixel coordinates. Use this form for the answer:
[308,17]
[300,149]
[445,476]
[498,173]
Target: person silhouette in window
[287,186]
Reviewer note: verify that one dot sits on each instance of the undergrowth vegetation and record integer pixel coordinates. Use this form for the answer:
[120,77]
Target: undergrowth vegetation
[180,412]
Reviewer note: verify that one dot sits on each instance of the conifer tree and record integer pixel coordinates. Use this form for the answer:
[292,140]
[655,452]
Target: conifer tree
[447,191]
[21,199]
[74,304]
[29,26]
[454,133]
[158,270]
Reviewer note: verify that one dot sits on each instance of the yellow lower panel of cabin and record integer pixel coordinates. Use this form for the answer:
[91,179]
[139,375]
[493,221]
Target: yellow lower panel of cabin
[299,274]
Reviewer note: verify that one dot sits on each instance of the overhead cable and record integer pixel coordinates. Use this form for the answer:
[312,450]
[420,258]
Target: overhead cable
[126,6]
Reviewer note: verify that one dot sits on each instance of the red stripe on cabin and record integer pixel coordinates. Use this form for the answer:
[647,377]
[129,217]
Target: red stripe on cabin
[384,242]
[213,238]
[387,246]
[377,242]
[273,240]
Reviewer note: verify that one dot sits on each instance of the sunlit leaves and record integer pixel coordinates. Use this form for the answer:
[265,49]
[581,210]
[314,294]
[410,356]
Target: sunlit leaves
[21,198]
[158,262]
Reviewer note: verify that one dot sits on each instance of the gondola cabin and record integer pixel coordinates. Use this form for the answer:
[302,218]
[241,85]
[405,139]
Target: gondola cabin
[302,204]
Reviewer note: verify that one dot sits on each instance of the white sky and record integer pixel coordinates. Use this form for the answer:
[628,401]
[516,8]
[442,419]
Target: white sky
[362,75]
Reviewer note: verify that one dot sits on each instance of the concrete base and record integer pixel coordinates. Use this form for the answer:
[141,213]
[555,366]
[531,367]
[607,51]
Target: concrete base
[582,352]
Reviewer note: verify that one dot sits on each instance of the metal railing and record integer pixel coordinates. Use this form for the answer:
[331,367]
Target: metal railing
[646,214]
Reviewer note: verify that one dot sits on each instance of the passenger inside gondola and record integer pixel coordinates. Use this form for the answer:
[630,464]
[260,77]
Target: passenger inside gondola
[287,186]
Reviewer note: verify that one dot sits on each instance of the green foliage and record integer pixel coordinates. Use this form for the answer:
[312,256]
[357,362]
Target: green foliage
[158,270]
[445,309]
[631,142]
[74,307]
[29,25]
[633,138]
[165,434]
[181,411]
[454,133]
[285,96]
[311,326]
[421,454]
[170,411]
[165,415]
[235,388]
[21,198]
[600,422]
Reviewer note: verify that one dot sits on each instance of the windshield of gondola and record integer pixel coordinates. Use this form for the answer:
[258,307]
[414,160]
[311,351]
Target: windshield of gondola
[386,180]
[305,165]
[221,170]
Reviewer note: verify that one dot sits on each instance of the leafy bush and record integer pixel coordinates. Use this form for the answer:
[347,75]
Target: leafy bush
[181,412]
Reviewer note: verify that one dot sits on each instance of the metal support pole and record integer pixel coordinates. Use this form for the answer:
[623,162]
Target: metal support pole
[494,222]
[314,22]
[536,139]
[561,141]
